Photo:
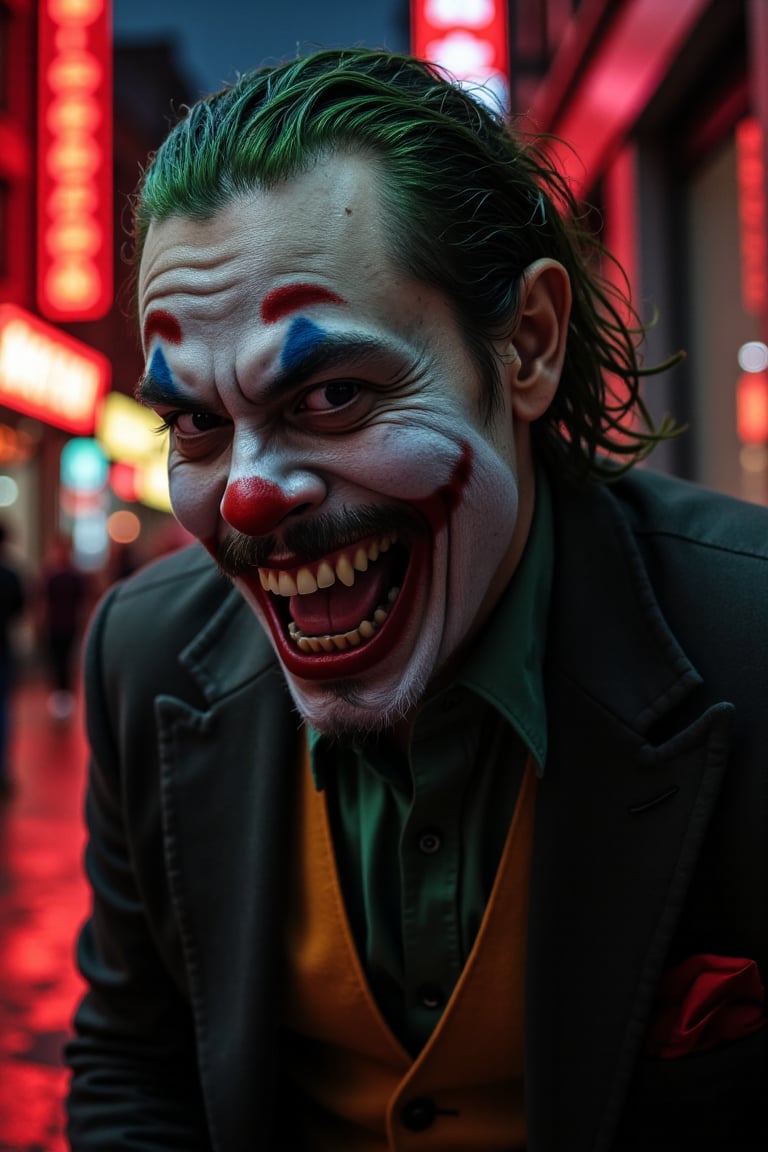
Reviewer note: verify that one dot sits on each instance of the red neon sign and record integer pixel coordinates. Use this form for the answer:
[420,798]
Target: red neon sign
[752,215]
[752,407]
[469,38]
[49,375]
[74,194]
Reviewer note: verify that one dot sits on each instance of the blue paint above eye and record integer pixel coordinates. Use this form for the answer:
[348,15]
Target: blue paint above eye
[161,373]
[302,337]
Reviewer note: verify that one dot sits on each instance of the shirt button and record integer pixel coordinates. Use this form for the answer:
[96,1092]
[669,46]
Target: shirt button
[430,842]
[431,996]
[418,1113]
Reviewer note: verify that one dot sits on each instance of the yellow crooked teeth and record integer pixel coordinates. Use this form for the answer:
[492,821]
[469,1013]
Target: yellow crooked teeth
[344,571]
[306,584]
[340,641]
[286,585]
[307,580]
[325,575]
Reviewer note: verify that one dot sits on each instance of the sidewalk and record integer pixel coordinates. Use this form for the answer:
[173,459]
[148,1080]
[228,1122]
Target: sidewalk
[43,900]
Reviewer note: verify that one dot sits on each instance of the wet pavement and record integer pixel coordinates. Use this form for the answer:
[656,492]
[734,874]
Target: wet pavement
[43,900]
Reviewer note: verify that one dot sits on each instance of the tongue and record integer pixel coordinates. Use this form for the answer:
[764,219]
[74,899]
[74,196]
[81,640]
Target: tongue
[340,609]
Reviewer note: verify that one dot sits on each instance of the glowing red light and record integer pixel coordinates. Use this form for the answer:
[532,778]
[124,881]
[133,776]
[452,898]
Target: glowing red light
[123,481]
[75,159]
[49,375]
[752,215]
[467,37]
[752,407]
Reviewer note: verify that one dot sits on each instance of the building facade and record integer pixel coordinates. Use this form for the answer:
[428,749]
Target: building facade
[42,350]
[664,111]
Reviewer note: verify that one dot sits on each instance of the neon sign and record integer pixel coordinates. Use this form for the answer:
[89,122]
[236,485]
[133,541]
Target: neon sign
[49,375]
[470,39]
[752,215]
[74,201]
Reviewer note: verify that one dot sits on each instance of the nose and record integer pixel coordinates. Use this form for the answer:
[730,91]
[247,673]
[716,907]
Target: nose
[256,506]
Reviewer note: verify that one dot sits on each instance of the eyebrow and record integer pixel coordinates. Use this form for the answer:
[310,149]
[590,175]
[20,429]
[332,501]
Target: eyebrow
[164,325]
[324,355]
[281,302]
[156,385]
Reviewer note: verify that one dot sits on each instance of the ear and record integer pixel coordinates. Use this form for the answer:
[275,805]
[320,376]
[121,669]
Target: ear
[536,351]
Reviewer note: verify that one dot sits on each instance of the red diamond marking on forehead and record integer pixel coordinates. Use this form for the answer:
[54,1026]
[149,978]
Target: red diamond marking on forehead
[164,325]
[281,302]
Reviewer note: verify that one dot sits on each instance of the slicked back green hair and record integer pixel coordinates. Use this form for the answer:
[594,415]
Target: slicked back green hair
[469,206]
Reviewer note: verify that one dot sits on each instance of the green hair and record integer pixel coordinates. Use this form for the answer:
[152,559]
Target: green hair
[470,206]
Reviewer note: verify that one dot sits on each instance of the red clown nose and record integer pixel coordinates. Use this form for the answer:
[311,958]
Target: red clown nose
[255,506]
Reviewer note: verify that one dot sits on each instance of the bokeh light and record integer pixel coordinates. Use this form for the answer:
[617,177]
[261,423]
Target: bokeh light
[123,527]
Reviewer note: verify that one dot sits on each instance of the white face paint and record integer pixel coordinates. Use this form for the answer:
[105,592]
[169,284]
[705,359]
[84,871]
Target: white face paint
[326,416]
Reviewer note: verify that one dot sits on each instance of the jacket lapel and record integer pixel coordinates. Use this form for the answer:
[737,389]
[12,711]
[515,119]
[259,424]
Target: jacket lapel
[633,772]
[225,775]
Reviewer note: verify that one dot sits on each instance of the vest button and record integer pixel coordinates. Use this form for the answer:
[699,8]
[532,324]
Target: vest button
[431,996]
[418,1113]
[430,842]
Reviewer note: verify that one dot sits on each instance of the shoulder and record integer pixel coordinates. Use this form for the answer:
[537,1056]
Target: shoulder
[142,623]
[185,564]
[174,588]
[705,556]
[684,514]
[671,550]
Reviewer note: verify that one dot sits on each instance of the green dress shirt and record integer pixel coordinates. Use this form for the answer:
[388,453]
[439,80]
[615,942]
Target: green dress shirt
[418,838]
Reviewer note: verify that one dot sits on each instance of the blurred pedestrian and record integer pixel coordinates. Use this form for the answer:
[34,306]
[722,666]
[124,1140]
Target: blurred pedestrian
[12,603]
[63,602]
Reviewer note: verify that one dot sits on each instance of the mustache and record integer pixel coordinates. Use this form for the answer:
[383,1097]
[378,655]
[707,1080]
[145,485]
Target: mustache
[313,539]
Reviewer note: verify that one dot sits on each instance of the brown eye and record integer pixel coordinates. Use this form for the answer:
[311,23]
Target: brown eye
[327,397]
[192,423]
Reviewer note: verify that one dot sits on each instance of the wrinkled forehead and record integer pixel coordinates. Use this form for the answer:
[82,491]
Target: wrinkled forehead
[312,218]
[322,237]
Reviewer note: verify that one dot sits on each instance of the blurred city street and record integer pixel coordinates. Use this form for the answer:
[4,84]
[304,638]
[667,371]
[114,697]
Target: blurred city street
[43,900]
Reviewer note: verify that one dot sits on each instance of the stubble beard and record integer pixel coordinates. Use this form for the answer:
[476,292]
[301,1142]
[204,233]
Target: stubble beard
[353,709]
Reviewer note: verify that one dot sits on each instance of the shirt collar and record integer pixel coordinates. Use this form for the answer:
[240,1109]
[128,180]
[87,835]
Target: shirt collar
[506,663]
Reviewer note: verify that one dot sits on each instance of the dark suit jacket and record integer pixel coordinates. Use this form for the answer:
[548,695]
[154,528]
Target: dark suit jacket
[651,840]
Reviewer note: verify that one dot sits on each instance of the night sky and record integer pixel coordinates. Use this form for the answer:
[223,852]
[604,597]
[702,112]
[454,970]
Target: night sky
[215,39]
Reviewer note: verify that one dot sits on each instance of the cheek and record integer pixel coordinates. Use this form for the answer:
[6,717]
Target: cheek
[441,471]
[195,499]
[411,464]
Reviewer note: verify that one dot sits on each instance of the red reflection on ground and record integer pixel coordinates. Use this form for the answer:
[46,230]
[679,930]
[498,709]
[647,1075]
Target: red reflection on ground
[43,899]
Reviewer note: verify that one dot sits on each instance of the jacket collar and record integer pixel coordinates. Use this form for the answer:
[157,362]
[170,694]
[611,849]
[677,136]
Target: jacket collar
[610,635]
[229,650]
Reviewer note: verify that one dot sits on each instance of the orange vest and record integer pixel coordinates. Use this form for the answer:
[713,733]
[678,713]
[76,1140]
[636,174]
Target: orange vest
[359,1089]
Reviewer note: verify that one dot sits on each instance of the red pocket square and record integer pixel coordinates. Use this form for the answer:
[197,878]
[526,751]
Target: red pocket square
[704,1002]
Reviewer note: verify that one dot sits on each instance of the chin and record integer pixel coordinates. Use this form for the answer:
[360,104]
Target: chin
[357,708]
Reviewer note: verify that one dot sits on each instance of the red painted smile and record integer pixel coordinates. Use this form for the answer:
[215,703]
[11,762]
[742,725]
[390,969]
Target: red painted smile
[339,616]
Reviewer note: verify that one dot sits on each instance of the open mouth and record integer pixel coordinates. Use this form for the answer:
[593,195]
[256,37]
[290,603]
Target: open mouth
[337,615]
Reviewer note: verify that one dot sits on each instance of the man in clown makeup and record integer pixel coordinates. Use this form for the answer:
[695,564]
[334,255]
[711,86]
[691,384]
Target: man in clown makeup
[428,791]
